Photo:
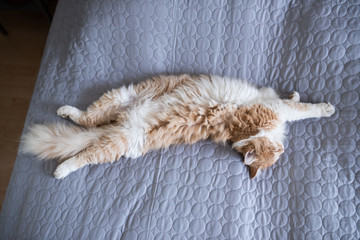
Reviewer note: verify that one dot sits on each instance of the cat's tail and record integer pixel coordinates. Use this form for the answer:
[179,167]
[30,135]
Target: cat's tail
[57,140]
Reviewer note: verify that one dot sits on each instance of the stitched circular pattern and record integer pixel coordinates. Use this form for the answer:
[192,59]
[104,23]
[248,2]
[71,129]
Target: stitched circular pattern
[203,190]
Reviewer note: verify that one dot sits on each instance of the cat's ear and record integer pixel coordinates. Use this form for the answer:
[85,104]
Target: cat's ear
[280,148]
[249,157]
[253,171]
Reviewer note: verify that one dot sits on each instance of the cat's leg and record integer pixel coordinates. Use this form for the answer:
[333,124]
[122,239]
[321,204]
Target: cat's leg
[108,107]
[107,149]
[292,111]
[102,111]
[158,85]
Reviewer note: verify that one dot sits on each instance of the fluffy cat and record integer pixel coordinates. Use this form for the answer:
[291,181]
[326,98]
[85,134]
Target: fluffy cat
[165,110]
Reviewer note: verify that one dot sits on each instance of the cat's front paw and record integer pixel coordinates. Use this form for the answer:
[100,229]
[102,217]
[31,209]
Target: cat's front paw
[327,109]
[294,96]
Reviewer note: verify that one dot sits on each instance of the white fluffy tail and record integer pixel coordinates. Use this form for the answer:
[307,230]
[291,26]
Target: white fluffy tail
[58,140]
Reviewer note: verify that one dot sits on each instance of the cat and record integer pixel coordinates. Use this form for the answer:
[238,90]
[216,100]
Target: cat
[164,110]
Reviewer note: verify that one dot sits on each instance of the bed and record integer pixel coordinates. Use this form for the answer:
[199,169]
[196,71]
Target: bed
[200,191]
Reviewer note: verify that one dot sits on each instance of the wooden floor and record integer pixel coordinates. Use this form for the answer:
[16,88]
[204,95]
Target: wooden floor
[20,56]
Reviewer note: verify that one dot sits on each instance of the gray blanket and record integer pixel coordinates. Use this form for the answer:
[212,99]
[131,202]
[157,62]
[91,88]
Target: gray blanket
[203,190]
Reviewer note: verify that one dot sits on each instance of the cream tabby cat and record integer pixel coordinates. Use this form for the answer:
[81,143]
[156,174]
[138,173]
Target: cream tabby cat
[164,110]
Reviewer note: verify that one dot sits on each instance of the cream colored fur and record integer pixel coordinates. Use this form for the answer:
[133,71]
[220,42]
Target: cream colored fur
[58,140]
[165,110]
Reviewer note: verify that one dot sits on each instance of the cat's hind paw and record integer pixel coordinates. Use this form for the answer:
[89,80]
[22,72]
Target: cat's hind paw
[68,112]
[64,169]
[327,109]
[61,172]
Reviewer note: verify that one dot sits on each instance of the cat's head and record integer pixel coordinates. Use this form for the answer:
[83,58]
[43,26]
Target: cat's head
[259,153]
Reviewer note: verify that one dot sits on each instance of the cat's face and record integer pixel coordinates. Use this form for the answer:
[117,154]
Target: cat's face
[260,153]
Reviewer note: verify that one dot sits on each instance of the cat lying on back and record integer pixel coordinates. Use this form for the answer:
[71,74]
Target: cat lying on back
[165,110]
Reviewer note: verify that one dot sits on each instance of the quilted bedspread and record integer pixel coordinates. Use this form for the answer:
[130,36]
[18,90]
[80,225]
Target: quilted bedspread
[199,191]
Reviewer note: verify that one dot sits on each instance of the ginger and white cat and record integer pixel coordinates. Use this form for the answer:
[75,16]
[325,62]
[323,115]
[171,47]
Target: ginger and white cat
[166,110]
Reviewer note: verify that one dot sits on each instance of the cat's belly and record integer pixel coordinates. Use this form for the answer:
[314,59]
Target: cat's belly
[137,122]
